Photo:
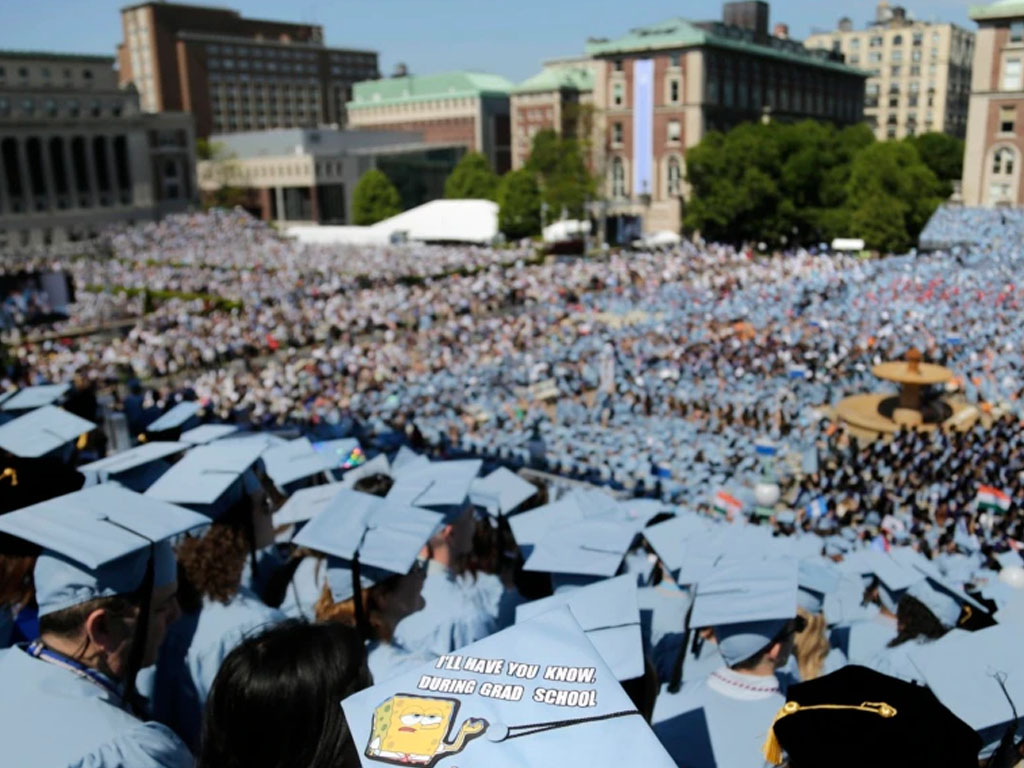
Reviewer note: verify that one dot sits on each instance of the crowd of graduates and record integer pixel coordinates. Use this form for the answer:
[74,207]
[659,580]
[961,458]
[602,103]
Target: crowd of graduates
[394,522]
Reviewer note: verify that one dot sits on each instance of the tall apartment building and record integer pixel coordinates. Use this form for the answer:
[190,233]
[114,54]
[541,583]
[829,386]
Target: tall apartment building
[920,73]
[560,97]
[469,109]
[995,144]
[76,152]
[659,89]
[234,73]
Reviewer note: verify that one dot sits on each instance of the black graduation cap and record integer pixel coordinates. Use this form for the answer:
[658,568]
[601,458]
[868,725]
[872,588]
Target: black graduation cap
[857,717]
[24,482]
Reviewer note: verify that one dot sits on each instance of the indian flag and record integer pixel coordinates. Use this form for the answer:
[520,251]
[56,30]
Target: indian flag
[992,498]
[727,504]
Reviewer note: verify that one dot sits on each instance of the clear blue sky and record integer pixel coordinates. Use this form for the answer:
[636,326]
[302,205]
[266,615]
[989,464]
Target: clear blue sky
[507,37]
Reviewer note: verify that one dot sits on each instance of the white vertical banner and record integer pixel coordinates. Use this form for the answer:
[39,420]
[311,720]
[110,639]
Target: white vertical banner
[643,126]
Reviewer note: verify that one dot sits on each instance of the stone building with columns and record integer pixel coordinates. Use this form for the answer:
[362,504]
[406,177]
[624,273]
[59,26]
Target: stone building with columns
[77,154]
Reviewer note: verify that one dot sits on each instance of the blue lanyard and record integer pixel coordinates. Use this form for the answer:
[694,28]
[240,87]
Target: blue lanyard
[41,652]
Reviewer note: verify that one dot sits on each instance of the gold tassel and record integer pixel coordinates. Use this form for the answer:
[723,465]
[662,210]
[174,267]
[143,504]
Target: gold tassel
[772,750]
[968,612]
[83,440]
[12,473]
[142,437]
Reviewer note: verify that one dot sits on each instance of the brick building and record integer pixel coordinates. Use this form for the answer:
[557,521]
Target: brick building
[560,97]
[470,109]
[994,145]
[234,73]
[660,88]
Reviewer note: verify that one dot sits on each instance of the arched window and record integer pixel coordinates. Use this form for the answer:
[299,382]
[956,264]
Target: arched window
[674,177]
[1003,161]
[618,178]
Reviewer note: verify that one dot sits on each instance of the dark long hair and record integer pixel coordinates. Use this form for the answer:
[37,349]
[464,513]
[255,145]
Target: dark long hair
[276,700]
[915,620]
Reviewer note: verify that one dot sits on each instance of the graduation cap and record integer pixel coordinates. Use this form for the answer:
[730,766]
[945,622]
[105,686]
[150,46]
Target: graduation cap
[137,468]
[609,613]
[42,431]
[537,693]
[668,539]
[206,433]
[294,461]
[584,548]
[176,418]
[24,482]
[306,503]
[815,581]
[209,476]
[856,717]
[30,398]
[96,543]
[441,484]
[344,453]
[378,465]
[501,492]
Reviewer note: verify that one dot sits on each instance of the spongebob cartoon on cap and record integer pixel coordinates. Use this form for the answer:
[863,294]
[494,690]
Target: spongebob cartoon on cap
[414,730]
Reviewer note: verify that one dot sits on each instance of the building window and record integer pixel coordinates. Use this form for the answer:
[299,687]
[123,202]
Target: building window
[1011,73]
[897,56]
[876,41]
[897,40]
[1007,119]
[673,131]
[617,64]
[1016,31]
[674,60]
[1003,161]
[918,38]
[673,91]
[874,57]
[617,134]
[618,178]
[895,72]
[618,92]
[674,177]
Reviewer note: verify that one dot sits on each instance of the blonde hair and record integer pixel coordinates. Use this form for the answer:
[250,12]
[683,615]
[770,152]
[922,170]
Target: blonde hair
[344,612]
[811,646]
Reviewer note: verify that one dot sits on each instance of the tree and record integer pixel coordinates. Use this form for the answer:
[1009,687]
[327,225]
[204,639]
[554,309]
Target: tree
[942,153]
[560,170]
[471,179]
[220,174]
[374,199]
[519,205]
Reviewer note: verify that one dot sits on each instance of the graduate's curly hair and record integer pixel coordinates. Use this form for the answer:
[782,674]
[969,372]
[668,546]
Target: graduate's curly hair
[211,565]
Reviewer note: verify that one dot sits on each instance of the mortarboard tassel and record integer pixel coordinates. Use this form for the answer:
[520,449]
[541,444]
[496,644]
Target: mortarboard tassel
[12,474]
[772,750]
[83,440]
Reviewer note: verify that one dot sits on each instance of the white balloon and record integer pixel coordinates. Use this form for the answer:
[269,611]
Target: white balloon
[1013,575]
[766,494]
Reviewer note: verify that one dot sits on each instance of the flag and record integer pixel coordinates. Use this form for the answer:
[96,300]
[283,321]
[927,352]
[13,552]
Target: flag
[992,498]
[765,448]
[354,459]
[817,508]
[727,504]
[798,372]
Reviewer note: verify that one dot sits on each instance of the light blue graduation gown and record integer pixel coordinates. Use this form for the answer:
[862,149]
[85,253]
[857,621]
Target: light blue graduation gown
[51,718]
[268,560]
[387,660]
[305,589]
[493,598]
[192,654]
[701,727]
[448,621]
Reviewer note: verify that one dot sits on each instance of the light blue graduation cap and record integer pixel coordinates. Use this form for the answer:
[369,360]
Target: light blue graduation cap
[294,461]
[96,543]
[942,605]
[747,605]
[207,433]
[30,398]
[816,580]
[137,468]
[669,539]
[537,693]
[209,476]
[610,615]
[501,492]
[443,484]
[343,453]
[588,548]
[176,417]
[385,536]
[406,457]
[529,528]
[42,431]
[306,504]
[979,676]
[378,465]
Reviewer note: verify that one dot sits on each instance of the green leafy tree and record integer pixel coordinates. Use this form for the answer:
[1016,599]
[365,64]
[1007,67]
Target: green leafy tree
[519,205]
[374,199]
[559,167]
[221,172]
[471,179]
[942,153]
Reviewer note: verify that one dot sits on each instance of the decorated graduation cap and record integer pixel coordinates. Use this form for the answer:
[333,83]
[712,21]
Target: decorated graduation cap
[207,433]
[856,717]
[368,539]
[501,492]
[342,454]
[378,465]
[135,469]
[747,604]
[97,542]
[306,504]
[440,485]
[293,462]
[181,416]
[609,613]
[209,478]
[30,398]
[537,693]
[42,431]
